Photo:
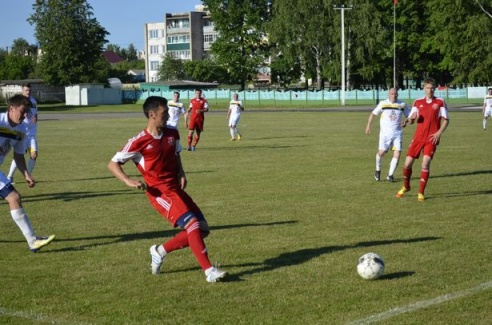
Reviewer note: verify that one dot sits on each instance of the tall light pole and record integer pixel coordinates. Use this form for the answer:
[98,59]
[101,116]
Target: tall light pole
[342,9]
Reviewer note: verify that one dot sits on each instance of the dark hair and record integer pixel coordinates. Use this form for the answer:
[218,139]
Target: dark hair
[19,100]
[27,85]
[198,89]
[177,93]
[153,103]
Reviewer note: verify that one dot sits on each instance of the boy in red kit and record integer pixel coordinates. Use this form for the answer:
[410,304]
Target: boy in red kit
[432,118]
[155,152]
[195,118]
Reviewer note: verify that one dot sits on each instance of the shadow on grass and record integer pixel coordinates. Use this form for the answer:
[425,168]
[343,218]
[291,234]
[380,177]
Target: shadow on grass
[471,173]
[242,147]
[70,180]
[73,196]
[396,275]
[304,255]
[104,240]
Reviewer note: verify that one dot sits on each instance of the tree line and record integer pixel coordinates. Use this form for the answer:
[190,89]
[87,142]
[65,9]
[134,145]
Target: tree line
[449,40]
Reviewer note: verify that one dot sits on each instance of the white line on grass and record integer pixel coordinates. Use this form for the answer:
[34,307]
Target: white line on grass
[35,317]
[422,304]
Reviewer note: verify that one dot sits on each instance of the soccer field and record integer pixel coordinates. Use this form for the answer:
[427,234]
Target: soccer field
[291,208]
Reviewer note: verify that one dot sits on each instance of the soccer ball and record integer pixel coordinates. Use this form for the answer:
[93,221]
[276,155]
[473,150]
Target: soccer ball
[370,266]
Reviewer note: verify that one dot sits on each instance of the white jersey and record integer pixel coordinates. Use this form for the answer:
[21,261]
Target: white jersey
[175,110]
[487,101]
[11,137]
[235,107]
[391,116]
[31,120]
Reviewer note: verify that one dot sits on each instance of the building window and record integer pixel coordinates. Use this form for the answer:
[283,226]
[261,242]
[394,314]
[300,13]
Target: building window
[154,65]
[208,23]
[182,55]
[174,39]
[178,23]
[154,49]
[154,33]
[209,38]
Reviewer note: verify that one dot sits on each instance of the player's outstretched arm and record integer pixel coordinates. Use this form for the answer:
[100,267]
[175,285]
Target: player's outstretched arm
[20,161]
[116,169]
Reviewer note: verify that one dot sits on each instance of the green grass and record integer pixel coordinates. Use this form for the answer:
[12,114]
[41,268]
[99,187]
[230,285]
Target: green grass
[291,208]
[251,105]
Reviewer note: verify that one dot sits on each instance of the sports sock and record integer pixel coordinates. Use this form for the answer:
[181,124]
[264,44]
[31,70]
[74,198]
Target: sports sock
[189,140]
[30,165]
[407,173]
[22,221]
[197,138]
[424,176]
[393,165]
[237,131]
[177,242]
[379,162]
[484,124]
[231,131]
[13,167]
[197,245]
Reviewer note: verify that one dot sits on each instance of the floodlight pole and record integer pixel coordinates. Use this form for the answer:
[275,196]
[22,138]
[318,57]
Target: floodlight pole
[342,9]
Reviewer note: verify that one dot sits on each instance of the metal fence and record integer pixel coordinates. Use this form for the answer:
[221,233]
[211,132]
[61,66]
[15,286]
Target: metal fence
[279,98]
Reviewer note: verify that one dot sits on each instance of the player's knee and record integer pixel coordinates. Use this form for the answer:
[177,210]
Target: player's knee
[204,229]
[13,197]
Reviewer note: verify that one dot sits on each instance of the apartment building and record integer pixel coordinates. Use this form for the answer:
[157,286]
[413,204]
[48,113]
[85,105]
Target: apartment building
[185,36]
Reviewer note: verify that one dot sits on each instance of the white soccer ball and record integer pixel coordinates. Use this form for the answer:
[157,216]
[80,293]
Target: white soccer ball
[370,266]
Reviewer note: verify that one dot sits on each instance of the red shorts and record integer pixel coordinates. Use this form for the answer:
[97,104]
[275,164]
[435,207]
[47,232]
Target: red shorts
[416,147]
[171,204]
[196,124]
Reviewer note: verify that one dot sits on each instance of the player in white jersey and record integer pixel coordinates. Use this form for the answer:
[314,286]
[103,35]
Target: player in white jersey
[234,115]
[13,135]
[487,108]
[176,108]
[31,122]
[390,135]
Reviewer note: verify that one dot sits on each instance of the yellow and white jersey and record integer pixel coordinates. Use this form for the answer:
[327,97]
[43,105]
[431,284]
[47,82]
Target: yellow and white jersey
[11,137]
[391,116]
[31,120]
[235,107]
[488,102]
[175,110]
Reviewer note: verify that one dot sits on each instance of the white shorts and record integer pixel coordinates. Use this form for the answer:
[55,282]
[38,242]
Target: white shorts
[234,120]
[387,142]
[487,113]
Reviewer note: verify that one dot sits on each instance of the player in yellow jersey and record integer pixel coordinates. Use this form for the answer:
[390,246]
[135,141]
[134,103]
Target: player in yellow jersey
[390,135]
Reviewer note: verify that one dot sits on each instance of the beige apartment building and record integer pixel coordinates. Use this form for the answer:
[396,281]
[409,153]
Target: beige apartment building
[186,36]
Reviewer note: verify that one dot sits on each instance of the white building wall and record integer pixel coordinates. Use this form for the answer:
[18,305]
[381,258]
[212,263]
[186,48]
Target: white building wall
[155,49]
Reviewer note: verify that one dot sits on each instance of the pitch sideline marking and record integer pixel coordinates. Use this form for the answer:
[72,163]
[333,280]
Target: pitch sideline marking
[422,304]
[35,317]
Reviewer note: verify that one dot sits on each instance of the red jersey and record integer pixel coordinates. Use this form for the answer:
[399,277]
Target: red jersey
[155,157]
[195,105]
[430,113]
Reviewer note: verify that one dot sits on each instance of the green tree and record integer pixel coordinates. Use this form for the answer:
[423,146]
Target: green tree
[205,70]
[306,34]
[71,40]
[21,47]
[242,47]
[285,72]
[171,69]
[463,46]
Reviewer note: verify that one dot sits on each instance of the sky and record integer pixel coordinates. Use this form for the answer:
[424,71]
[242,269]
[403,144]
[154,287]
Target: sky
[123,19]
